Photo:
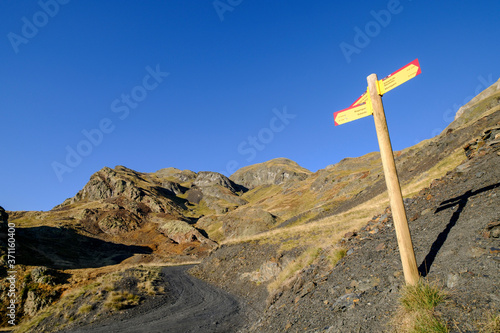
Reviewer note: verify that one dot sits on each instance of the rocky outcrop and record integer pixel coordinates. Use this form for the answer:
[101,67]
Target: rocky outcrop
[207,178]
[176,175]
[244,221]
[489,139]
[217,191]
[118,222]
[494,89]
[247,221]
[279,171]
[34,303]
[132,187]
[173,187]
[4,217]
[40,286]
[181,232]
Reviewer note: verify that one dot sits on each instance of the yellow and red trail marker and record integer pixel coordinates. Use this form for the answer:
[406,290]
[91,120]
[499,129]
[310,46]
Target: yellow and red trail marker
[391,81]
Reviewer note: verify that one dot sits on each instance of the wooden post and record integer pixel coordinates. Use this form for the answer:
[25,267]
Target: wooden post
[391,178]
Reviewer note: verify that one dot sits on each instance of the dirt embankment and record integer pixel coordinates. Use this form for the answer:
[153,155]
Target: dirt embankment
[190,305]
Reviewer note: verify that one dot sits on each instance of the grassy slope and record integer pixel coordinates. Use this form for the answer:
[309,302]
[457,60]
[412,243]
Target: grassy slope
[307,231]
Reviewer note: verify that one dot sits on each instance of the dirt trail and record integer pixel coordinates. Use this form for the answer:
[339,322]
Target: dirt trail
[191,305]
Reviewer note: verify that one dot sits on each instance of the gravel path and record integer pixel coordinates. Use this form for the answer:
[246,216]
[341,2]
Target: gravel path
[192,305]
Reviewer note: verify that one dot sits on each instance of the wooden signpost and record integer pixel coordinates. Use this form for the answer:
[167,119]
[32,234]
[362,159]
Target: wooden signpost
[371,103]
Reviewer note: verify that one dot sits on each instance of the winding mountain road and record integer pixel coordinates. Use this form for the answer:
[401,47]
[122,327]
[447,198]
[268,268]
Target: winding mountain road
[191,306]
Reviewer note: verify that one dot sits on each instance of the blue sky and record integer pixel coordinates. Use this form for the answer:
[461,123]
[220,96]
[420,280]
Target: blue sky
[217,85]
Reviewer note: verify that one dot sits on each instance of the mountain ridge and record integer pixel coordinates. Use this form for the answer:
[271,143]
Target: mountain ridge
[175,216]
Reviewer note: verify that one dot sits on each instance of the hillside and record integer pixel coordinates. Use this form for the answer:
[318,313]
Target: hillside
[455,223]
[276,227]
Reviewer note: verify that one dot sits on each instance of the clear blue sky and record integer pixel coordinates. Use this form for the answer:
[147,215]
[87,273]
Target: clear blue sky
[206,85]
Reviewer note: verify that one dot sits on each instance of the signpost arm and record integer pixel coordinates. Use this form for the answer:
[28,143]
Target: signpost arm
[391,177]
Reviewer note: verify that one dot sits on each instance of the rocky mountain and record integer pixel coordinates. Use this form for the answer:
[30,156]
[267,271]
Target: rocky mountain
[280,171]
[274,226]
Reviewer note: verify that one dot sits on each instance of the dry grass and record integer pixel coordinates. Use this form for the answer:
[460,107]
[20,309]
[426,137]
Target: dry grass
[416,311]
[327,231]
[215,231]
[261,192]
[176,227]
[93,291]
[490,323]
[302,261]
[336,255]
[308,257]
[86,308]
[120,300]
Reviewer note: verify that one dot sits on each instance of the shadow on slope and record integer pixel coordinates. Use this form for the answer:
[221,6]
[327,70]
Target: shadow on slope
[63,248]
[461,201]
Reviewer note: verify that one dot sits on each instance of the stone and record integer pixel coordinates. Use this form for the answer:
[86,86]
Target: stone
[181,232]
[345,302]
[475,252]
[383,218]
[308,287]
[380,247]
[266,272]
[494,250]
[452,280]
[349,235]
[426,211]
[492,230]
[365,285]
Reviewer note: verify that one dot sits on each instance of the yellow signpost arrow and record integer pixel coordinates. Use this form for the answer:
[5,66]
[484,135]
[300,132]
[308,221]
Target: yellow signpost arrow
[352,113]
[399,77]
[393,80]
[371,103]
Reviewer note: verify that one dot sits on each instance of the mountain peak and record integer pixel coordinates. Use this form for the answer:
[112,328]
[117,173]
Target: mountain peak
[276,171]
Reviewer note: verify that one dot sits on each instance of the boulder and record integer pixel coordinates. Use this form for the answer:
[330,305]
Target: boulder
[182,232]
